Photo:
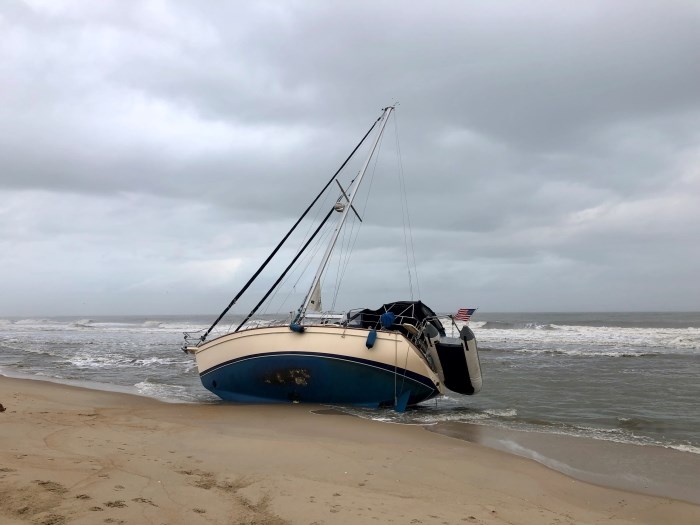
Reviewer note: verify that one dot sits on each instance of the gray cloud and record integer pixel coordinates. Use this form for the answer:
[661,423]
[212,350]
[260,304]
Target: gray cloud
[152,153]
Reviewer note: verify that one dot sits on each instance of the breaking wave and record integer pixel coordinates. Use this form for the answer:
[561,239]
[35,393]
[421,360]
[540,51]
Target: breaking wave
[502,325]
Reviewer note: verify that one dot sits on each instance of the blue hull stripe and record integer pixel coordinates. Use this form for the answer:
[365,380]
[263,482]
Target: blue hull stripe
[315,378]
[367,362]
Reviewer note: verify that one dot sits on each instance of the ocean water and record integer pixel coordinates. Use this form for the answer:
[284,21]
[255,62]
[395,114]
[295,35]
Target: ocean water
[625,377]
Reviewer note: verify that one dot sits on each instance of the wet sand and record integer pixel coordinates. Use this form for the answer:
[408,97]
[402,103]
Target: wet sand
[73,455]
[650,470]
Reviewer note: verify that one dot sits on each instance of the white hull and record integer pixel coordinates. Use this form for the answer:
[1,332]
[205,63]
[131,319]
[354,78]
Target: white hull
[323,364]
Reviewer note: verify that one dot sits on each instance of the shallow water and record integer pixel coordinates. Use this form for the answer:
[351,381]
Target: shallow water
[625,377]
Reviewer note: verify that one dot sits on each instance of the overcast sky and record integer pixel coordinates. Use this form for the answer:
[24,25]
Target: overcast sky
[153,152]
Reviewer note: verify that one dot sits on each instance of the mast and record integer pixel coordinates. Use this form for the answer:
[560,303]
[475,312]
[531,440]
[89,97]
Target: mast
[347,207]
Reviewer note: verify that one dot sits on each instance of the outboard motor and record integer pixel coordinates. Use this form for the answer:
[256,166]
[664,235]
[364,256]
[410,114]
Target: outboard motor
[472,356]
[460,363]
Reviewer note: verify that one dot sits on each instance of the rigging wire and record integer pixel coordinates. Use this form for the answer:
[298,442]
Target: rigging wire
[343,256]
[349,238]
[386,113]
[286,270]
[406,217]
[321,205]
[279,245]
[306,260]
[302,267]
[354,234]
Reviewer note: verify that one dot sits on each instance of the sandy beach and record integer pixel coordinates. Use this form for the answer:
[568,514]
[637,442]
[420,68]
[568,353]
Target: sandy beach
[73,455]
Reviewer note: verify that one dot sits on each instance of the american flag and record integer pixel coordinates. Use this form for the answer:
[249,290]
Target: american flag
[464,314]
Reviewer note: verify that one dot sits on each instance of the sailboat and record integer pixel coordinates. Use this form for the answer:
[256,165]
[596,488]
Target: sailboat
[395,355]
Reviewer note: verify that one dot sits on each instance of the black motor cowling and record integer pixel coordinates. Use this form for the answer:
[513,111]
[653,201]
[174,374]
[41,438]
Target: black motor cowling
[460,363]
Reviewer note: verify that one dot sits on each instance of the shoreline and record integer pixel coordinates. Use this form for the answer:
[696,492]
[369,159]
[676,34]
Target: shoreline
[643,469]
[75,455]
[93,385]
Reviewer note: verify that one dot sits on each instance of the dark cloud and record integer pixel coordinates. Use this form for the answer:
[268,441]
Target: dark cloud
[549,153]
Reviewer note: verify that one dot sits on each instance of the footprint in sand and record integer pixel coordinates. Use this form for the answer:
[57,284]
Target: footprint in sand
[53,519]
[51,486]
[144,500]
[116,504]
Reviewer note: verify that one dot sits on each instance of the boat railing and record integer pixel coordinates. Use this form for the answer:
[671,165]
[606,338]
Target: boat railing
[411,327]
[323,318]
[194,338]
[197,338]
